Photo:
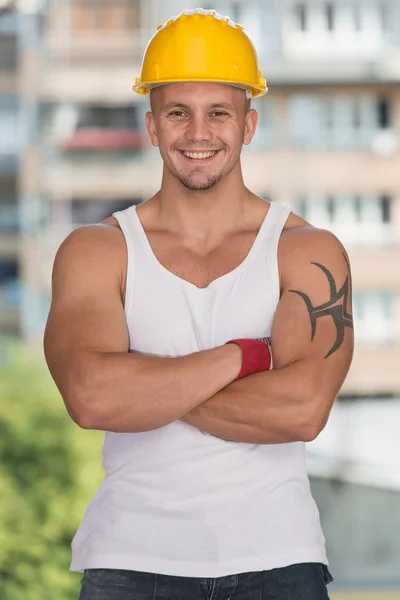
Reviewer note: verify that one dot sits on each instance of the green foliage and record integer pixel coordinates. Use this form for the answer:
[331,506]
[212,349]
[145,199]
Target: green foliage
[49,471]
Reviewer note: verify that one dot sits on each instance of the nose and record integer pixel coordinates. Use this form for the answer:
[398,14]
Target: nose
[198,129]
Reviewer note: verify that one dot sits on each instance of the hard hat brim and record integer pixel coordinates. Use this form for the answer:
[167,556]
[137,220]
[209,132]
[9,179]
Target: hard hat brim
[257,91]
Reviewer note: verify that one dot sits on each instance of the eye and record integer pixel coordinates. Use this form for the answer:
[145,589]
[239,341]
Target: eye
[176,113]
[219,113]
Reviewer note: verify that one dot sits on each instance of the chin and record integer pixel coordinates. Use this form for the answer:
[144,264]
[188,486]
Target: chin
[199,185]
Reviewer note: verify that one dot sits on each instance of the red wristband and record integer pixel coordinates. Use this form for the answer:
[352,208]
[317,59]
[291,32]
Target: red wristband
[256,357]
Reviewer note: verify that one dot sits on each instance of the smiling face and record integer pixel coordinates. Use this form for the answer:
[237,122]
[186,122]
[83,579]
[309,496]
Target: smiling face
[200,129]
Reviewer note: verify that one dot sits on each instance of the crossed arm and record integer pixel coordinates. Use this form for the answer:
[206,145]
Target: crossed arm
[312,344]
[105,387]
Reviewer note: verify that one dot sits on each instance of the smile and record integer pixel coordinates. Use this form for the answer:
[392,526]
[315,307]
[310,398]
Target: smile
[195,156]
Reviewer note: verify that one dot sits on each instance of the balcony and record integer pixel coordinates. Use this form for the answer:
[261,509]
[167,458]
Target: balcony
[91,65]
[321,44]
[382,379]
[92,150]
[287,172]
[358,220]
[376,267]
[101,175]
[86,30]
[358,40]
[109,45]
[97,139]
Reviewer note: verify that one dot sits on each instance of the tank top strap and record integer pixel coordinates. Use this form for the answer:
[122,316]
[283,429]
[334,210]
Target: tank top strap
[126,222]
[274,223]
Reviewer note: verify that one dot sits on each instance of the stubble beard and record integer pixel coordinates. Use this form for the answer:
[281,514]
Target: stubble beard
[195,183]
[192,184]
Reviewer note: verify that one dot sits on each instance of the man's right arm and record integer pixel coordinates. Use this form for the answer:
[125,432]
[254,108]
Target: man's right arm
[86,345]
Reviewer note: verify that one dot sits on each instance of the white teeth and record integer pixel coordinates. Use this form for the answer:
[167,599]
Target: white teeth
[199,154]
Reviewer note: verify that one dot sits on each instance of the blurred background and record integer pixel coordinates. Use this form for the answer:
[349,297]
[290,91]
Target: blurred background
[73,149]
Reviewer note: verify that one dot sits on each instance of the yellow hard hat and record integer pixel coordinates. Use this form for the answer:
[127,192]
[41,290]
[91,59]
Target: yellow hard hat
[200,45]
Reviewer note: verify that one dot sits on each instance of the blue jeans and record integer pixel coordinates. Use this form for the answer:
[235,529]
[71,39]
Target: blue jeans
[305,581]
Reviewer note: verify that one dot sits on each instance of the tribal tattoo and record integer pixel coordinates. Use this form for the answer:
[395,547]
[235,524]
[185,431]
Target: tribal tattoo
[336,307]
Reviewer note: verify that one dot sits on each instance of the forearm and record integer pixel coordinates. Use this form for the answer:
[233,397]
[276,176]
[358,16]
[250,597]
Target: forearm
[312,340]
[133,393]
[271,407]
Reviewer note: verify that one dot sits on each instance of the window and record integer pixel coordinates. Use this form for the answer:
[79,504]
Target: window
[265,132]
[9,216]
[361,219]
[236,12]
[10,285]
[373,313]
[8,270]
[8,53]
[358,208]
[250,16]
[85,212]
[331,208]
[384,16]
[357,16]
[386,206]
[338,121]
[384,113]
[95,128]
[330,16]
[105,117]
[356,114]
[301,15]
[265,110]
[328,110]
[9,140]
[305,119]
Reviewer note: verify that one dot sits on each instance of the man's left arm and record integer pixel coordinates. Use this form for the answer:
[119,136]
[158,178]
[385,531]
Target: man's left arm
[312,347]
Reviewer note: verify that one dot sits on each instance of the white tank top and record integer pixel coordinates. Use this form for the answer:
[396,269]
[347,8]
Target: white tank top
[177,500]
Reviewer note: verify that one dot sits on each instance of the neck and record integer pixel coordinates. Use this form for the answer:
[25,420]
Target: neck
[203,215]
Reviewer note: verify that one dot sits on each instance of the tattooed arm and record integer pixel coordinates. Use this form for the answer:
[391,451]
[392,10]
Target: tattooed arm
[312,344]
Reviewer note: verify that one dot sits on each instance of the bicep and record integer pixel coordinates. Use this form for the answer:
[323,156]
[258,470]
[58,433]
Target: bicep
[86,314]
[313,320]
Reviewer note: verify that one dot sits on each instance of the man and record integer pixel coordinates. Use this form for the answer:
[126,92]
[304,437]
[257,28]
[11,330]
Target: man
[206,493]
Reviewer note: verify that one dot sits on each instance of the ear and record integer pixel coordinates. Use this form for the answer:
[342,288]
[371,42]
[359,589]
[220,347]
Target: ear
[251,120]
[151,128]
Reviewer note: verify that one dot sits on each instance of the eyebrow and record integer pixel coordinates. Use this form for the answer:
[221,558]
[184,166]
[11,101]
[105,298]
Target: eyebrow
[170,105]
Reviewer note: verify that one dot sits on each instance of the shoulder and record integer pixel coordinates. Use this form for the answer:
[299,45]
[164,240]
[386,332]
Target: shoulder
[306,252]
[98,235]
[306,239]
[90,248]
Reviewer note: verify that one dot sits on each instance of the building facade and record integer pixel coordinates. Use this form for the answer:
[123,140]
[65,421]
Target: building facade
[327,145]
[10,279]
